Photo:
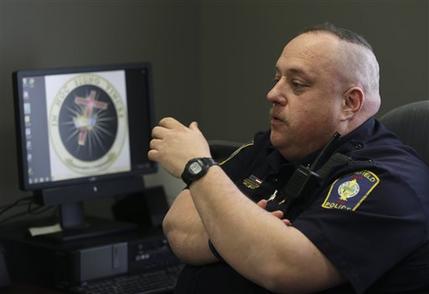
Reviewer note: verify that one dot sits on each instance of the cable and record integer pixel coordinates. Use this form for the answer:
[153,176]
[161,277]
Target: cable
[26,201]
[6,207]
[35,211]
[38,210]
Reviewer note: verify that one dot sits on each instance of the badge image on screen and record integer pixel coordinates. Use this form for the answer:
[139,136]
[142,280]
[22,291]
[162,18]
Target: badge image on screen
[88,124]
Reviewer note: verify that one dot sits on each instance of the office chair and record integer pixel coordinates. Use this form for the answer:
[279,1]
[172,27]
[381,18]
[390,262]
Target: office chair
[410,123]
[222,149]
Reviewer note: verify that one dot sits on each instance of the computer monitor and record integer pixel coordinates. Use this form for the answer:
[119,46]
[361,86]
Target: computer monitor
[83,133]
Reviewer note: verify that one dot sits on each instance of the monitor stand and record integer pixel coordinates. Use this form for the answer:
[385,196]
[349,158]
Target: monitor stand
[70,201]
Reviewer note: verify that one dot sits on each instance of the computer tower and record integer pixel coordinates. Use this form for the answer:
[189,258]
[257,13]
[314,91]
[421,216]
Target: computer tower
[63,265]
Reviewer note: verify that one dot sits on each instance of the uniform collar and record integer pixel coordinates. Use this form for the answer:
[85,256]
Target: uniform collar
[354,140]
[278,163]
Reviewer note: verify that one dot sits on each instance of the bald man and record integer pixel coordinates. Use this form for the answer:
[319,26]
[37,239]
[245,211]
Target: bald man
[326,200]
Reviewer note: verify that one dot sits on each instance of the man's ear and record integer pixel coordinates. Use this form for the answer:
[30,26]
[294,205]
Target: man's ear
[352,102]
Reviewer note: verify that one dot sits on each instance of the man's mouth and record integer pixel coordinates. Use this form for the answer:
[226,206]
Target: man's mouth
[276,118]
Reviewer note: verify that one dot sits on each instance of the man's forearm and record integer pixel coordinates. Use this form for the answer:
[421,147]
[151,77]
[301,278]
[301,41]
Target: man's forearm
[185,232]
[257,244]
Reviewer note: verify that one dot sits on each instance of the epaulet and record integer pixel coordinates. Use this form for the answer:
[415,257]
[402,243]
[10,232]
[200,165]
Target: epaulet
[239,149]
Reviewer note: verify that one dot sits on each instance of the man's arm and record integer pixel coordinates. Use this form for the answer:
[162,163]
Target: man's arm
[256,244]
[260,247]
[185,232]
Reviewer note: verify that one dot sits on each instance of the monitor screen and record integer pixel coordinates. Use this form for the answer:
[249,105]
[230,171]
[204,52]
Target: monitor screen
[83,133]
[80,125]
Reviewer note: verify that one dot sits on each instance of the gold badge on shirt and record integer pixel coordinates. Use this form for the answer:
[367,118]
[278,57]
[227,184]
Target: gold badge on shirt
[252,182]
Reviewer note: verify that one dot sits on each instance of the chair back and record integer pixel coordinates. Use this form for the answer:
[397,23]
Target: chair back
[222,149]
[410,123]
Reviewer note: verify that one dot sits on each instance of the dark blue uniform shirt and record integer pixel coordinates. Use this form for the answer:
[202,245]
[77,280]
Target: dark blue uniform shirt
[368,217]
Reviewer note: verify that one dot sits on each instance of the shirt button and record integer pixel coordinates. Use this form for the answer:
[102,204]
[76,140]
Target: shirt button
[358,146]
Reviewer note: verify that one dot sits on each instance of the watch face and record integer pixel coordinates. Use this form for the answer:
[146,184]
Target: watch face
[195,168]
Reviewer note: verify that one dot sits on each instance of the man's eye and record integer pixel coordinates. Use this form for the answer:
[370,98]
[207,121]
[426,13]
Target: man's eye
[298,85]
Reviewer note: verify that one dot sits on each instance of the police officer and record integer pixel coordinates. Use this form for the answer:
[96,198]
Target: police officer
[327,200]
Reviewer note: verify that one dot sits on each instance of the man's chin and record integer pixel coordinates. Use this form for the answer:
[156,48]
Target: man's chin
[276,139]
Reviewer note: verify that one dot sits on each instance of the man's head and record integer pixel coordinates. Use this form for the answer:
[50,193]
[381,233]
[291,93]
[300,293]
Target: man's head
[327,81]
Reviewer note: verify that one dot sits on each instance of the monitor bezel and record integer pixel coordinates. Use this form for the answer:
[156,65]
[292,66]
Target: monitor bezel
[23,177]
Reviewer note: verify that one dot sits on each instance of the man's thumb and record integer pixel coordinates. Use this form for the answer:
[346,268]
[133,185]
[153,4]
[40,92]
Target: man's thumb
[194,125]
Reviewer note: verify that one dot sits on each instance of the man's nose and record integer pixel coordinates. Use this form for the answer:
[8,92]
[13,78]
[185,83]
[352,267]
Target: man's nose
[277,94]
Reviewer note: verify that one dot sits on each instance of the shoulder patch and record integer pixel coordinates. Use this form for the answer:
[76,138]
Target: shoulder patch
[349,191]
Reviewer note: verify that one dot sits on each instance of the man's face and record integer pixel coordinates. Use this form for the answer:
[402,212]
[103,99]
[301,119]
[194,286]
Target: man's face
[307,96]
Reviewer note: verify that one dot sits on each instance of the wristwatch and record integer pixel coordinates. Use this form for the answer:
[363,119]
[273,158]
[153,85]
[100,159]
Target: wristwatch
[196,168]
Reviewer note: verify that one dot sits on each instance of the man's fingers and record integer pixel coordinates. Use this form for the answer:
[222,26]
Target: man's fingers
[154,143]
[169,123]
[194,126]
[287,222]
[159,132]
[153,154]
[262,203]
[277,213]
[164,126]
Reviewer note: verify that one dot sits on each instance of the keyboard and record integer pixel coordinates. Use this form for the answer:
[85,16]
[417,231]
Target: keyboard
[160,281]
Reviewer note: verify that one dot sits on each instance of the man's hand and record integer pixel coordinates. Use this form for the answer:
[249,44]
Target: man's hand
[278,213]
[174,144]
